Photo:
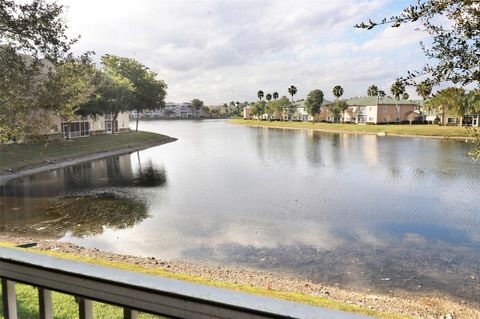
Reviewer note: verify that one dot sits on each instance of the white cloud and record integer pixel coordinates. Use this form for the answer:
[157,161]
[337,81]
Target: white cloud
[228,50]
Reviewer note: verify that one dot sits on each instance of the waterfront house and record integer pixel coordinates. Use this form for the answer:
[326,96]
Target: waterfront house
[171,110]
[378,110]
[448,118]
[361,110]
[53,126]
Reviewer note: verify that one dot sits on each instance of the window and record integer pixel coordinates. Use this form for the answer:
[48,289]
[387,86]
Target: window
[385,108]
[452,120]
[384,119]
[370,119]
[397,119]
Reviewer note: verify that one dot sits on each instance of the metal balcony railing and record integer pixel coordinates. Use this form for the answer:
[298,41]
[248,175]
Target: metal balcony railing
[136,292]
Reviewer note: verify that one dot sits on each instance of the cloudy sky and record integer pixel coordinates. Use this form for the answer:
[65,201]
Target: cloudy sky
[221,51]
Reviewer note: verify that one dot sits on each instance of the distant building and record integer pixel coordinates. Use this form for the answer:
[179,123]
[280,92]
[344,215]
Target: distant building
[360,110]
[171,111]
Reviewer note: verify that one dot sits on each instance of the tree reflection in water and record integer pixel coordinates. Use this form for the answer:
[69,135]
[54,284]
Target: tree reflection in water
[83,216]
[84,199]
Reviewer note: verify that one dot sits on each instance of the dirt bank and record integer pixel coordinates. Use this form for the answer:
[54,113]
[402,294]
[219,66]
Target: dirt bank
[416,306]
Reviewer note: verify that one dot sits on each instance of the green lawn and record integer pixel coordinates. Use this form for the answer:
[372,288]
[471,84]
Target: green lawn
[17,156]
[65,306]
[420,130]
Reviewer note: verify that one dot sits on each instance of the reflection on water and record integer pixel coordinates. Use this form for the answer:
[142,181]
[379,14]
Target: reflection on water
[78,215]
[358,210]
[73,200]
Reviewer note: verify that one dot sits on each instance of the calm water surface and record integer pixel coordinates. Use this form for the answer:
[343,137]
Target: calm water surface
[363,211]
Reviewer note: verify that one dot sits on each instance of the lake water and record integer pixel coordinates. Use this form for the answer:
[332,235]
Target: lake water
[361,211]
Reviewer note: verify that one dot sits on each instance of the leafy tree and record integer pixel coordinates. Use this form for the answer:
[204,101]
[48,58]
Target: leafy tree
[268,97]
[337,91]
[18,94]
[292,90]
[338,108]
[148,92]
[113,94]
[313,103]
[405,96]
[455,43]
[381,93]
[197,104]
[278,106]
[258,108]
[372,90]
[451,100]
[69,86]
[260,95]
[275,95]
[472,100]
[34,27]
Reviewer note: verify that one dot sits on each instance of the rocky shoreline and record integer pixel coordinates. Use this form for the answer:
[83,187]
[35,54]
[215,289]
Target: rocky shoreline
[407,304]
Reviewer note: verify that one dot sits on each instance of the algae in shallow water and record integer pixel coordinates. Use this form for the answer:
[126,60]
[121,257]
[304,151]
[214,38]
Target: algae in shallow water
[83,216]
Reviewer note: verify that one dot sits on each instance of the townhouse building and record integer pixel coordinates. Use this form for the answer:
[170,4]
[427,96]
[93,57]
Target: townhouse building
[171,110]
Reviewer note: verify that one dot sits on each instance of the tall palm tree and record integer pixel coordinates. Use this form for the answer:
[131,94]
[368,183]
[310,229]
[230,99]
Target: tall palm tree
[275,95]
[397,89]
[337,91]
[381,93]
[292,90]
[268,97]
[405,96]
[424,89]
[372,90]
[260,94]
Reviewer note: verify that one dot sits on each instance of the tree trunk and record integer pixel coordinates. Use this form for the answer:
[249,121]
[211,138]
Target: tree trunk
[136,126]
[114,119]
[443,116]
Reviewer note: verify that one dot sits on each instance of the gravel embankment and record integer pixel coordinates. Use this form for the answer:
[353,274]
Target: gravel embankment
[417,306]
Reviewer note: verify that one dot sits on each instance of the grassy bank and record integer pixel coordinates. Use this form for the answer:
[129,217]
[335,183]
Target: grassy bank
[65,307]
[413,130]
[20,156]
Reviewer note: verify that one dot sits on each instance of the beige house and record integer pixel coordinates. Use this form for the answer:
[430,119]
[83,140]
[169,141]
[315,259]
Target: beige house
[53,126]
[377,110]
